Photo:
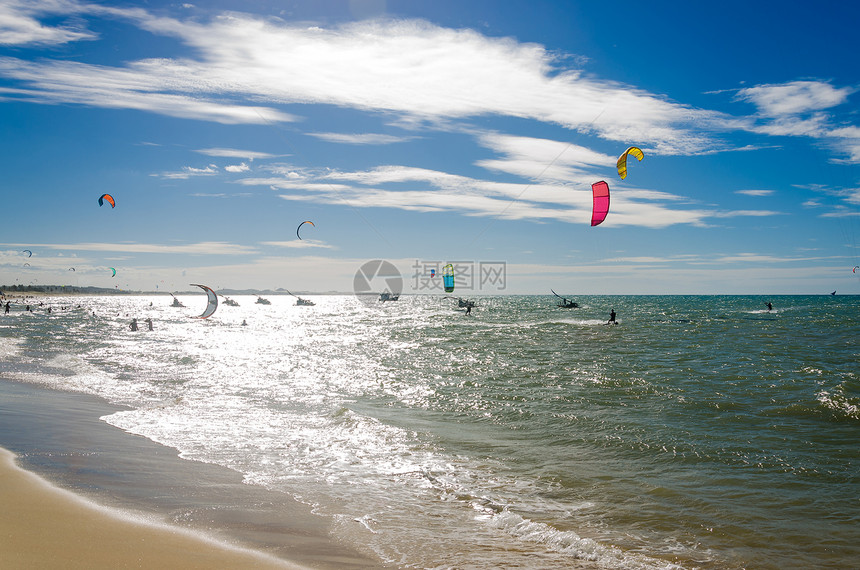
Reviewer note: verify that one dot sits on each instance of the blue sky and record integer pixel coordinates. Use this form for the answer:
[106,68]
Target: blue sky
[428,132]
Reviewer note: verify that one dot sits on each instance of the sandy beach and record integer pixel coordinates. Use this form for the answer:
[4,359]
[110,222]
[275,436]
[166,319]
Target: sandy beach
[43,526]
[79,493]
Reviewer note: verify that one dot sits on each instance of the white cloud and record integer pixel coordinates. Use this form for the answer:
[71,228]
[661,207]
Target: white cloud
[189,172]
[802,109]
[237,168]
[361,139]
[137,87]
[794,98]
[201,248]
[414,70]
[755,192]
[542,159]
[410,68]
[736,213]
[234,153]
[19,24]
[299,244]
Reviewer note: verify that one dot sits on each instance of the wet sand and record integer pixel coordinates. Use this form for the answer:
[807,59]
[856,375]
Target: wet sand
[104,498]
[43,526]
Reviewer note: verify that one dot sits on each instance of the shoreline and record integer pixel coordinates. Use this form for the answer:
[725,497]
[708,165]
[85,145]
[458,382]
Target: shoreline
[84,534]
[74,473]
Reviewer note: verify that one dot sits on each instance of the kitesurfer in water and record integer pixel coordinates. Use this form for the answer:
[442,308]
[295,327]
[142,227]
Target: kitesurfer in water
[612,320]
[769,306]
[149,323]
[133,325]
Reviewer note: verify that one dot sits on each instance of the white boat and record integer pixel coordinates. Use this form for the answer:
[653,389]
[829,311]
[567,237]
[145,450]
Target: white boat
[304,302]
[176,302]
[230,302]
[386,296]
[261,301]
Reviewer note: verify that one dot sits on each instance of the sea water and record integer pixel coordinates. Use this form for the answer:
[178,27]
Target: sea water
[699,432]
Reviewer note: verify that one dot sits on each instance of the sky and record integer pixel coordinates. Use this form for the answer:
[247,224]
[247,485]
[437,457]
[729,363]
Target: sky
[426,133]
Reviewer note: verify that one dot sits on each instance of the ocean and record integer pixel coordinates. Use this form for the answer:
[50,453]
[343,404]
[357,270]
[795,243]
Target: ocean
[699,432]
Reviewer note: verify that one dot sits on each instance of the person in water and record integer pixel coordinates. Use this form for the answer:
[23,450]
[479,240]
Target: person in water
[612,320]
[149,323]
[133,325]
[769,306]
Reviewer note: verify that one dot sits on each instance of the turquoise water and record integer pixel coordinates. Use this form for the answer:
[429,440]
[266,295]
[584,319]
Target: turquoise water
[700,432]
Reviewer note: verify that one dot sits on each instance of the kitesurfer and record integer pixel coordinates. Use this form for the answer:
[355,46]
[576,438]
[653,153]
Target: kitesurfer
[149,323]
[133,325]
[469,309]
[244,323]
[7,307]
[612,320]
[769,306]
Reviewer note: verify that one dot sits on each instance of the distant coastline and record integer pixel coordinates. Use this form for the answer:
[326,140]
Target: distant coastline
[60,290]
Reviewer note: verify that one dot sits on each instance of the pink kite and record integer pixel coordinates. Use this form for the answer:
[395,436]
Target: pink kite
[601,202]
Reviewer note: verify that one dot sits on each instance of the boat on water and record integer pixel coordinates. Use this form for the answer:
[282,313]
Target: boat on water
[565,303]
[386,296]
[230,302]
[261,301]
[176,302]
[304,302]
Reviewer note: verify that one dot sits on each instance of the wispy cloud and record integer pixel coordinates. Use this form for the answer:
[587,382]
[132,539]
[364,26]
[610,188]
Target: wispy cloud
[299,244]
[361,139]
[425,190]
[755,192]
[234,153]
[200,248]
[802,109]
[20,25]
[410,68]
[794,98]
[190,172]
[543,159]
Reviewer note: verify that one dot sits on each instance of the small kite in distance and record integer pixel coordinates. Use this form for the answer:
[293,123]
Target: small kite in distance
[113,270]
[107,198]
[856,267]
[622,160]
[600,192]
[28,252]
[300,227]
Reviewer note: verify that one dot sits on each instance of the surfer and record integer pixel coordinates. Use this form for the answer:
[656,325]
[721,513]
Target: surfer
[7,307]
[612,320]
[769,306]
[244,323]
[149,323]
[133,325]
